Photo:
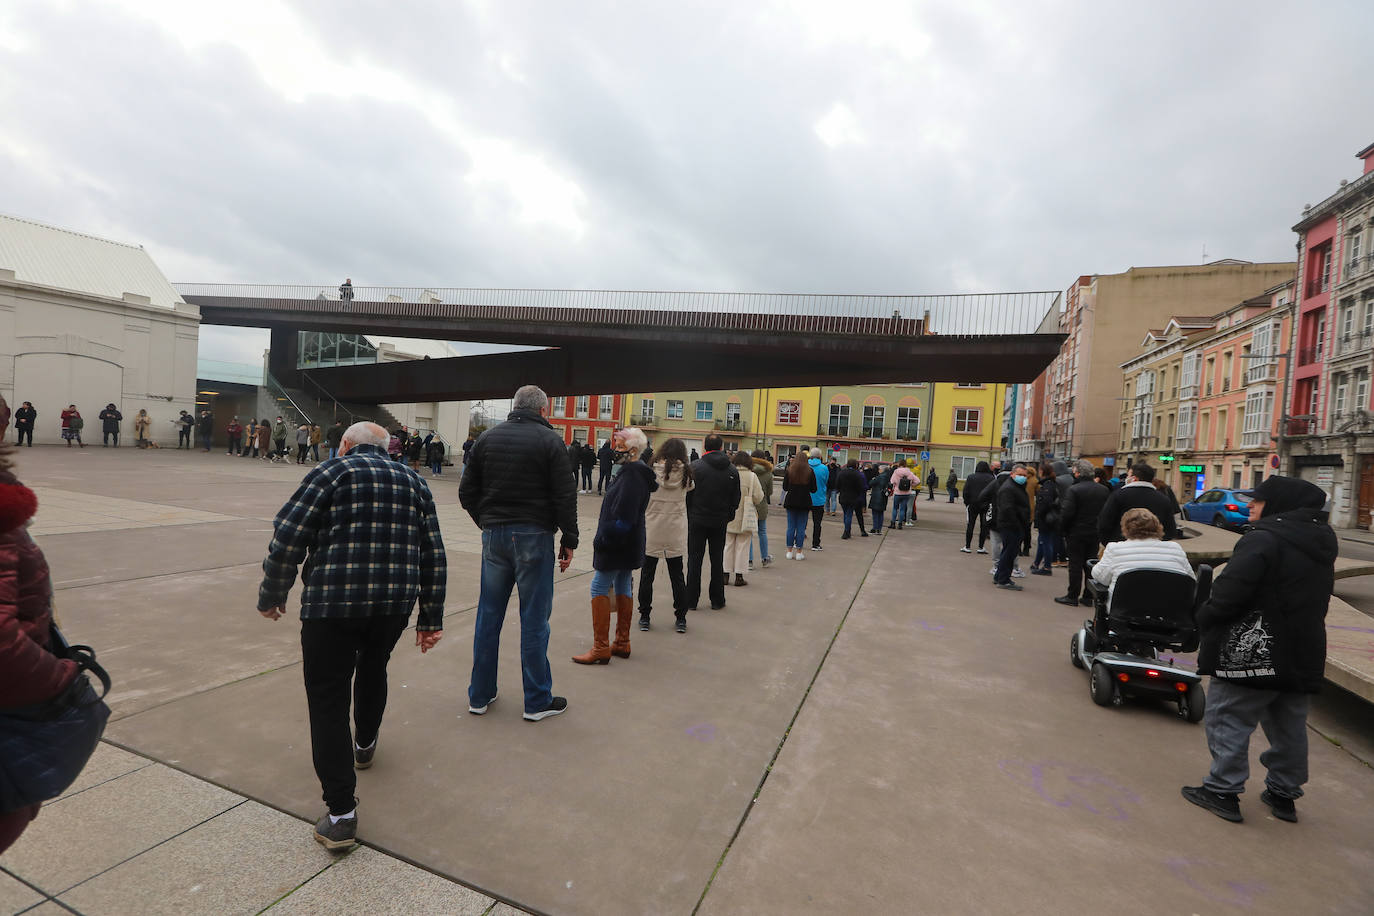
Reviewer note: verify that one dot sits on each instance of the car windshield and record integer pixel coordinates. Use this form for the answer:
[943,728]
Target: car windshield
[1241,498]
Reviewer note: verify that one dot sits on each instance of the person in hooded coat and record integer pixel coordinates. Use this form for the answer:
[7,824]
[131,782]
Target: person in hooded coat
[665,522]
[29,672]
[618,548]
[974,485]
[1263,632]
[879,490]
[822,472]
[852,487]
[710,506]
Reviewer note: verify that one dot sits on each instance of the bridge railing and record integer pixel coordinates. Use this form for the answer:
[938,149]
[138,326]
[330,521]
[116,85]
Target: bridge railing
[960,314]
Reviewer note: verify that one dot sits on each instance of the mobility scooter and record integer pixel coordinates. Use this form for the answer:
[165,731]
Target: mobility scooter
[1148,610]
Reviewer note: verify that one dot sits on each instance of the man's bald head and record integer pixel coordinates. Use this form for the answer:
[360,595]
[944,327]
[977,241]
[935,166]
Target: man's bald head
[363,433]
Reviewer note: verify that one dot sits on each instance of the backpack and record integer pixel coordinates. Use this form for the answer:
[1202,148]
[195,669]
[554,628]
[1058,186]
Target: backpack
[904,485]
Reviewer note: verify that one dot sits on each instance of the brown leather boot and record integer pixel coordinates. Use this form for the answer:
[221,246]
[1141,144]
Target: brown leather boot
[600,653]
[624,606]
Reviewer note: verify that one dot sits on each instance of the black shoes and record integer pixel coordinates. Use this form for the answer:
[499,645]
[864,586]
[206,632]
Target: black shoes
[1282,808]
[845,536]
[1224,806]
[718,607]
[362,756]
[1066,599]
[1036,571]
[681,626]
[556,707]
[1009,586]
[337,836]
[481,710]
[644,623]
[1086,601]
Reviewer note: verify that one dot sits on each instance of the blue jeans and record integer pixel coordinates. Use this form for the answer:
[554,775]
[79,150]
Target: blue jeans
[901,504]
[952,493]
[830,496]
[612,582]
[849,518]
[763,536]
[796,528]
[1045,546]
[514,556]
[878,519]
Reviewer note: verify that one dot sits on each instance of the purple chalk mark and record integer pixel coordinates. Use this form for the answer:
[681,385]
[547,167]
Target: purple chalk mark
[1087,788]
[932,627]
[702,732]
[1352,629]
[1210,885]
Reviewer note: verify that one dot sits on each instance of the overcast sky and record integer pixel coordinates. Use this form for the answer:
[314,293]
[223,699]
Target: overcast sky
[857,147]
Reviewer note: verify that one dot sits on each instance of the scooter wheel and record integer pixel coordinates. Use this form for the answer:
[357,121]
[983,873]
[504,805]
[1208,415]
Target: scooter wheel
[1100,685]
[1074,658]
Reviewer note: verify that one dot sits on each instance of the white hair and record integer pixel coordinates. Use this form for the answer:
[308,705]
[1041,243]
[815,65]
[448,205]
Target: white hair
[366,433]
[530,397]
[817,453]
[634,437]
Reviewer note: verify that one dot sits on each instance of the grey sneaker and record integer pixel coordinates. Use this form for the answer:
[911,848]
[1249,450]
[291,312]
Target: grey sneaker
[556,707]
[336,837]
[481,710]
[1010,586]
[362,756]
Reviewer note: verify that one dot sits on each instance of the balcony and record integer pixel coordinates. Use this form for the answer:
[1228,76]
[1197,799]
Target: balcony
[840,431]
[1317,287]
[833,430]
[1356,266]
[644,420]
[1309,355]
[1261,372]
[1187,392]
[1301,426]
[733,425]
[1226,384]
[1185,443]
[910,432]
[1353,344]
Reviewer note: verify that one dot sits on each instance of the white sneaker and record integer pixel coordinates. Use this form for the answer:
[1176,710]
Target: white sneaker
[1017,574]
[965,550]
[789,554]
[800,555]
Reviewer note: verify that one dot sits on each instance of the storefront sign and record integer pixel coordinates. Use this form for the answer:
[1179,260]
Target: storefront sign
[1190,469]
[1326,476]
[1166,458]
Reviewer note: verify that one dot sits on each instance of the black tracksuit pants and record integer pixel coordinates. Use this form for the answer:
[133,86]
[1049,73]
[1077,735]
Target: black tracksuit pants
[817,513]
[981,519]
[1081,548]
[339,655]
[646,585]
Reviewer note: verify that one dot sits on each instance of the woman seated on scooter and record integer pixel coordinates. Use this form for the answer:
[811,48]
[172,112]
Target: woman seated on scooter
[1144,548]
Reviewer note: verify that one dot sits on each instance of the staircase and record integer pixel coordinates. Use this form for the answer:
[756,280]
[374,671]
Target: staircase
[316,405]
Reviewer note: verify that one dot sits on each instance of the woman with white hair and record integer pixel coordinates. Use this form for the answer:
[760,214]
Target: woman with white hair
[618,548]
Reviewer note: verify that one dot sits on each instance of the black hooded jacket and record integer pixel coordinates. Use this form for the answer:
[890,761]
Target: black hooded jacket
[714,499]
[1283,566]
[976,482]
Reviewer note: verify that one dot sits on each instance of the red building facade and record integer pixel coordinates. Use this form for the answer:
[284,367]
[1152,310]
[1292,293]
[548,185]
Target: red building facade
[586,417]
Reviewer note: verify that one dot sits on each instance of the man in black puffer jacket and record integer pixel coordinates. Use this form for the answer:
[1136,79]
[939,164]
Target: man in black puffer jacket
[710,506]
[1079,510]
[519,487]
[1137,493]
[973,491]
[1263,632]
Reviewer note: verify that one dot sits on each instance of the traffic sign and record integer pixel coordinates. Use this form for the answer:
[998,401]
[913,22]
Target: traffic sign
[925,456]
[837,447]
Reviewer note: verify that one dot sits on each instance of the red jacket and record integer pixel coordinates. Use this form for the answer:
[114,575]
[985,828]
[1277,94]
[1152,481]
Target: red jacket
[29,673]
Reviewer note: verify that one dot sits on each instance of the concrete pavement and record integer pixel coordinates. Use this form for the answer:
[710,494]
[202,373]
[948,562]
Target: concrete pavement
[940,756]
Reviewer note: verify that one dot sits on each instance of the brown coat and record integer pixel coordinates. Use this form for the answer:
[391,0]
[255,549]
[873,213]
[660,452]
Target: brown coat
[665,519]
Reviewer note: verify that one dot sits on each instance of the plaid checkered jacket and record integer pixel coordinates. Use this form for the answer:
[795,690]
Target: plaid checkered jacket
[365,528]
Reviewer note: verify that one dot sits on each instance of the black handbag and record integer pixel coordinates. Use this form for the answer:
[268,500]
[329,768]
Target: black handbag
[45,746]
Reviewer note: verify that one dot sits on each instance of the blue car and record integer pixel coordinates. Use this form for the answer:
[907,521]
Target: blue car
[1222,508]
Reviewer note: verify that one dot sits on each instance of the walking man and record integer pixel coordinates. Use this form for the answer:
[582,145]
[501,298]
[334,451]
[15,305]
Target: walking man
[367,531]
[1263,632]
[519,487]
[185,423]
[710,507]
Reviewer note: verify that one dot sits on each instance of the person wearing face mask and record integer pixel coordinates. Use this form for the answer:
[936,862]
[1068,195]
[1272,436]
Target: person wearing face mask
[1013,518]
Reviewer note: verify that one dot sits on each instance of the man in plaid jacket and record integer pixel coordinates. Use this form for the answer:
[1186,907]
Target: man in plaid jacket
[366,530]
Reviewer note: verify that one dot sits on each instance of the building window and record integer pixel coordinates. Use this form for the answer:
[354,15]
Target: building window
[963,466]
[584,404]
[1187,426]
[1353,246]
[873,421]
[674,410]
[785,453]
[1188,384]
[606,407]
[969,385]
[789,413]
[706,410]
[1338,401]
[1361,392]
[839,420]
[908,422]
[968,420]
[646,408]
[560,407]
[1259,412]
[870,456]
[732,413]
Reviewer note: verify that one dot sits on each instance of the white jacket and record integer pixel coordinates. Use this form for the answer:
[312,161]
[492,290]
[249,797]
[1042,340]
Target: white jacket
[1124,556]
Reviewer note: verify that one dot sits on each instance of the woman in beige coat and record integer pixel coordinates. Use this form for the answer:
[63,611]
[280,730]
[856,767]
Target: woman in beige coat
[739,534]
[665,530]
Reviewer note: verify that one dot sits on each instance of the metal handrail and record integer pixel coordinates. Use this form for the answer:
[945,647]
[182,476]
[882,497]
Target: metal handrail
[280,390]
[960,315]
[338,407]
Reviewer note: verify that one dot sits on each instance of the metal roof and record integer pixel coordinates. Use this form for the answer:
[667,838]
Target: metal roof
[50,256]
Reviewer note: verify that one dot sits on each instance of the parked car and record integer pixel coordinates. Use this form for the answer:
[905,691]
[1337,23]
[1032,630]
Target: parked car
[1223,508]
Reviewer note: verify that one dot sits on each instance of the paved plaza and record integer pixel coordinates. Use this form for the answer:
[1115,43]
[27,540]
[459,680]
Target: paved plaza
[873,730]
